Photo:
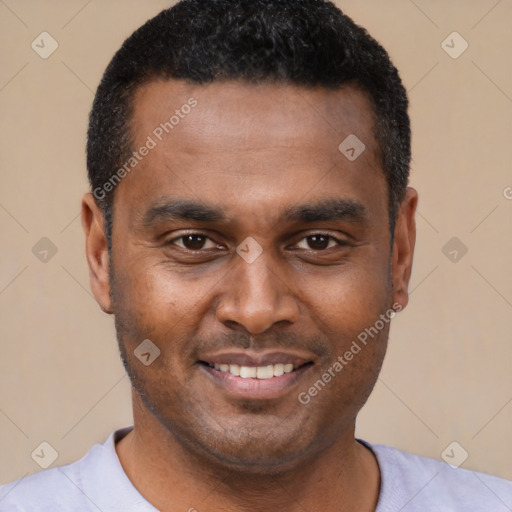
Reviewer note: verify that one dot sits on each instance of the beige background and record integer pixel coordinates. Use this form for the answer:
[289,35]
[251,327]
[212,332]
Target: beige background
[448,373]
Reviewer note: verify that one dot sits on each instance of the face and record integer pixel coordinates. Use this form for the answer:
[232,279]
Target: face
[252,253]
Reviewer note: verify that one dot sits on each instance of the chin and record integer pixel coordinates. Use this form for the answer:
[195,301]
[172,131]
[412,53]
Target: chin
[262,451]
[255,458]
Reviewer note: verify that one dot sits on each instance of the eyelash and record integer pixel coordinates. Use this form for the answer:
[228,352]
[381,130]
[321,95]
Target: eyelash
[339,242]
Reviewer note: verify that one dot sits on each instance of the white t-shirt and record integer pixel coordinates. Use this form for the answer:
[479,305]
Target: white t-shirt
[409,483]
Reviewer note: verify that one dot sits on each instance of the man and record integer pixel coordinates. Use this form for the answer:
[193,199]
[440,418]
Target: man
[249,225]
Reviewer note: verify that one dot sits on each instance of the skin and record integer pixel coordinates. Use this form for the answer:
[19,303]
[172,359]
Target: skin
[252,150]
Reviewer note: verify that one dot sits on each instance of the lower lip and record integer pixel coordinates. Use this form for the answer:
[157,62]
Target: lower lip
[256,389]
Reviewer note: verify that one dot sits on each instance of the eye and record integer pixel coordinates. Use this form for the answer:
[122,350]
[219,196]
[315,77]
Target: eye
[197,242]
[194,242]
[320,242]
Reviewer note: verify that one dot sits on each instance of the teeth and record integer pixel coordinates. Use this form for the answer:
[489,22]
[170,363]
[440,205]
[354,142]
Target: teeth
[265,372]
[234,369]
[278,370]
[248,372]
[255,372]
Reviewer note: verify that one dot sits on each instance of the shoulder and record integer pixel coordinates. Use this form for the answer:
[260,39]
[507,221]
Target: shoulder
[96,481]
[412,483]
[52,488]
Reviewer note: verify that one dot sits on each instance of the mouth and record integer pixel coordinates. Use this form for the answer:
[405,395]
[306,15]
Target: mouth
[255,376]
[256,372]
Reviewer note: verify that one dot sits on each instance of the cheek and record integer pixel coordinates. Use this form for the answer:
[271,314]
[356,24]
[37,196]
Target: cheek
[156,304]
[353,300]
[155,294]
[149,306]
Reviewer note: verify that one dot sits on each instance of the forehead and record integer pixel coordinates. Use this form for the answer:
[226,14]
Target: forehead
[270,142]
[253,115]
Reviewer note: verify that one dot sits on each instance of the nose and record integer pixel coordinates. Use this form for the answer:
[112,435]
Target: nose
[256,297]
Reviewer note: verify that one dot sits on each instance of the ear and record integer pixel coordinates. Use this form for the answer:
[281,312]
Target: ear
[403,247]
[96,250]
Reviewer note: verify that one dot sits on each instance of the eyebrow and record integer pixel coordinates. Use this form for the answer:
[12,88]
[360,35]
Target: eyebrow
[182,209]
[325,210]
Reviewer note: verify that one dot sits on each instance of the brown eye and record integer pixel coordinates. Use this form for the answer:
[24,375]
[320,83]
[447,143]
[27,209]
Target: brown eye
[319,242]
[193,242]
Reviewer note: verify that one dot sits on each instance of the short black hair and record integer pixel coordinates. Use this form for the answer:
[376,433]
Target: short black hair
[297,42]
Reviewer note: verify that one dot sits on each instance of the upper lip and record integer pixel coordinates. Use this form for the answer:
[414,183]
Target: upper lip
[251,358]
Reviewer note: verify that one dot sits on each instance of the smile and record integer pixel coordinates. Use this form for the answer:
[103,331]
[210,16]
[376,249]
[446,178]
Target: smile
[256,375]
[255,372]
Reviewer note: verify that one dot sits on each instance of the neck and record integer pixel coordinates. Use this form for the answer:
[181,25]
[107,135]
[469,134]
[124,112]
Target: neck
[343,477]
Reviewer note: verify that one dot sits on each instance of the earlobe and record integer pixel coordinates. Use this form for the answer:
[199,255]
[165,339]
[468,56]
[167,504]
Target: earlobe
[403,247]
[96,249]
